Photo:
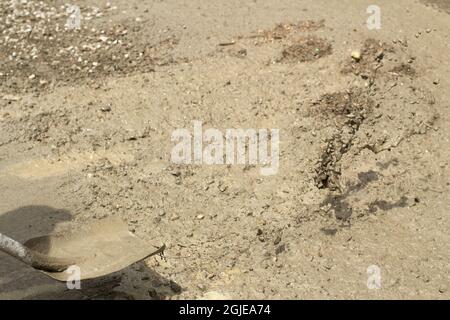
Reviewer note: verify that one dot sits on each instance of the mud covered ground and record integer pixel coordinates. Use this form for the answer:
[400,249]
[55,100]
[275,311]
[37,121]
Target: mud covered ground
[86,118]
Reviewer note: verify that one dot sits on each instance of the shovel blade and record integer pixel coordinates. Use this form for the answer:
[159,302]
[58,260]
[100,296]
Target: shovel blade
[99,248]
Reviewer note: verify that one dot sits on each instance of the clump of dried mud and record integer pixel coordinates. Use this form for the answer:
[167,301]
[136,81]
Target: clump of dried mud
[348,110]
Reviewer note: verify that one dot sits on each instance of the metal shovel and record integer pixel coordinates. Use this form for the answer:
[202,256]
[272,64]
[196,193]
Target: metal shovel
[96,249]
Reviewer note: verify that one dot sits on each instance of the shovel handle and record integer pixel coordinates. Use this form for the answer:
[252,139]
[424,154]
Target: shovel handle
[32,258]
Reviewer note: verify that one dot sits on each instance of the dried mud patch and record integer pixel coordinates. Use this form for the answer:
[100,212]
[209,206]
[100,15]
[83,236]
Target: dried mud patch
[306,50]
[349,106]
[404,69]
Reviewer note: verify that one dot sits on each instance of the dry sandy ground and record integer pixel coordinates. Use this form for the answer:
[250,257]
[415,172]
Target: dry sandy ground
[86,119]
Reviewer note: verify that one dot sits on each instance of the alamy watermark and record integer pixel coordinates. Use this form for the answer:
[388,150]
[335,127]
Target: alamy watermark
[374,20]
[74,278]
[373,277]
[74,20]
[235,146]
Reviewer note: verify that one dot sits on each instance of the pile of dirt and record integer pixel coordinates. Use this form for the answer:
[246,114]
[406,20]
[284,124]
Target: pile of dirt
[372,53]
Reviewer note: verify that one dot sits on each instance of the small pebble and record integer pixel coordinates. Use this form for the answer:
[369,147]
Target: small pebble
[356,55]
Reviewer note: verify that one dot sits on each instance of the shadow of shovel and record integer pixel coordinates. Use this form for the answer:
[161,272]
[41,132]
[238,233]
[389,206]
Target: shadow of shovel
[96,249]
